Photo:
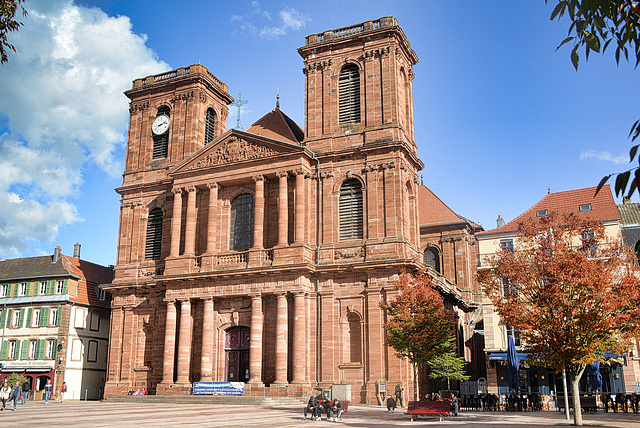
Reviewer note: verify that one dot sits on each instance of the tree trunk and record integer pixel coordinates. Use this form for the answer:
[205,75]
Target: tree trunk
[415,381]
[575,387]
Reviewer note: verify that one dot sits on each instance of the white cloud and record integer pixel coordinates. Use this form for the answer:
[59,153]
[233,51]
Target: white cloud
[290,19]
[604,156]
[62,108]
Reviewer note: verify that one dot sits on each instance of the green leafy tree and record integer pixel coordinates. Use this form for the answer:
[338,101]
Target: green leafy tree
[13,377]
[8,9]
[418,326]
[448,366]
[573,293]
[596,26]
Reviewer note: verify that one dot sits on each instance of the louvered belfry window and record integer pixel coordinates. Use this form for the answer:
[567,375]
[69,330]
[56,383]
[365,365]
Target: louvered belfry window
[210,127]
[351,210]
[161,142]
[241,227]
[154,235]
[349,90]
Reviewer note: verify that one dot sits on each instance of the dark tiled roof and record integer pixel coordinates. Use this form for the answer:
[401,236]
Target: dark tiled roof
[432,211]
[603,207]
[31,267]
[629,213]
[278,126]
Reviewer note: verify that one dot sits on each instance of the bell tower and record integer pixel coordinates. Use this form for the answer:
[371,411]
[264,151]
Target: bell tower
[172,115]
[358,86]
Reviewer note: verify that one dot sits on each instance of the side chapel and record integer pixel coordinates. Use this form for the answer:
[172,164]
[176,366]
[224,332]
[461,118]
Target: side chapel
[262,256]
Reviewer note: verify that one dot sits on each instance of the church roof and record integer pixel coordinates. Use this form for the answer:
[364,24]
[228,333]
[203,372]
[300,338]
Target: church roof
[582,202]
[278,126]
[432,211]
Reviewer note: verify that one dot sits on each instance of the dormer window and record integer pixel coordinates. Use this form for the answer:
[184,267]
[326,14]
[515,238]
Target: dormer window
[585,207]
[542,213]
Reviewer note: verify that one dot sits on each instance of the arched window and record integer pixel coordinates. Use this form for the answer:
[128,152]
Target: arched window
[351,210]
[432,258]
[210,126]
[241,227]
[161,141]
[349,90]
[154,235]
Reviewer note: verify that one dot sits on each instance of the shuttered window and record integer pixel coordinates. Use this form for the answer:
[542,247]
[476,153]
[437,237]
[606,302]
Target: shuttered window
[349,90]
[210,127]
[154,235]
[351,210]
[241,227]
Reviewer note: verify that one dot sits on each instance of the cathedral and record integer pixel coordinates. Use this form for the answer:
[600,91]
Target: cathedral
[262,256]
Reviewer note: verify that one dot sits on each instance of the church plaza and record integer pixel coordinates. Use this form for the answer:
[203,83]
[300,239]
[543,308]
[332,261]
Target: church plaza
[110,414]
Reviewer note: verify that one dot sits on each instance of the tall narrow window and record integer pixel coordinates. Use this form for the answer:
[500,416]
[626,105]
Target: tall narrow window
[349,90]
[161,139]
[210,127]
[432,258]
[351,210]
[153,243]
[241,227]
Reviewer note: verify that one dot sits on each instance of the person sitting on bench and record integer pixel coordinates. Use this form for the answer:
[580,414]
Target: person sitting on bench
[336,409]
[454,404]
[325,404]
[312,406]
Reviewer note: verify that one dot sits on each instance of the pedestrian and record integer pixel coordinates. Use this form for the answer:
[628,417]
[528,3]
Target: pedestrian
[48,388]
[16,392]
[399,390]
[63,391]
[5,393]
[391,404]
[26,387]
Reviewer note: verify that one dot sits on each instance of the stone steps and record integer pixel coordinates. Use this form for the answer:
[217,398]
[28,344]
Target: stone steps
[239,400]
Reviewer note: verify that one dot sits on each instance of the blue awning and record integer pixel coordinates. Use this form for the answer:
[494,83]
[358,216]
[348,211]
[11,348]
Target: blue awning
[502,356]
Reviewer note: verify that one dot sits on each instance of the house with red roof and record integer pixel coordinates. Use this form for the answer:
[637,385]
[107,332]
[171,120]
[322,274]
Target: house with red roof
[54,322]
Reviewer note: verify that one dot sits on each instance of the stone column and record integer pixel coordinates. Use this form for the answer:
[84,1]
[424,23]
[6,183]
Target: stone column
[169,343]
[206,367]
[115,351]
[281,339]
[175,222]
[258,218]
[190,229]
[255,341]
[213,215]
[184,342]
[299,342]
[283,215]
[300,193]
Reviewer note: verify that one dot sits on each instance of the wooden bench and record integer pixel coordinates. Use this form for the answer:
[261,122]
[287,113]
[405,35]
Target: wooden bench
[587,403]
[428,408]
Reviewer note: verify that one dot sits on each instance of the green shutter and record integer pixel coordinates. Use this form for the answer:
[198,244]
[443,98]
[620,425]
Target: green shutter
[21,319]
[58,316]
[5,348]
[3,317]
[28,290]
[29,315]
[55,349]
[44,317]
[9,315]
[50,285]
[40,348]
[64,287]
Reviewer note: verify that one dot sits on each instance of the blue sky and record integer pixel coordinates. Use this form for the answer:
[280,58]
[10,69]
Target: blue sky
[500,115]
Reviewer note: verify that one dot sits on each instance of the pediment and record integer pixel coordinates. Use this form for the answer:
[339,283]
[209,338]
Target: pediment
[235,147]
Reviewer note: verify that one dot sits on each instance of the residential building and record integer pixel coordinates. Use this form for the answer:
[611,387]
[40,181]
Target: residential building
[54,321]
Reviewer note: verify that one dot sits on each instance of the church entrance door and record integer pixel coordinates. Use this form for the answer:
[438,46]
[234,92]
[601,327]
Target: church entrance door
[237,354]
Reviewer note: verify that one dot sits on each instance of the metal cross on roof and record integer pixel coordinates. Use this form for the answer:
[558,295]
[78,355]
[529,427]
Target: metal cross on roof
[238,104]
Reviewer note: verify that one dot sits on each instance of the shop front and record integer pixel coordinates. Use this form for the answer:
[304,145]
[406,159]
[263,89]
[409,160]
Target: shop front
[36,371]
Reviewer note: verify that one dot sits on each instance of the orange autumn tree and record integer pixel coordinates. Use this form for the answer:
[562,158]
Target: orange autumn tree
[573,293]
[418,325]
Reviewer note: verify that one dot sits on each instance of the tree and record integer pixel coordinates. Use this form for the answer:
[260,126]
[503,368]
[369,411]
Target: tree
[8,9]
[573,293]
[447,366]
[418,325]
[594,25]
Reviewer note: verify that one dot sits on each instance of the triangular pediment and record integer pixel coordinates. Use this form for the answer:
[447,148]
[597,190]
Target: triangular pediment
[235,147]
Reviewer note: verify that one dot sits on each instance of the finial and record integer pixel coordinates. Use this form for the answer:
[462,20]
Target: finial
[278,98]
[421,180]
[548,190]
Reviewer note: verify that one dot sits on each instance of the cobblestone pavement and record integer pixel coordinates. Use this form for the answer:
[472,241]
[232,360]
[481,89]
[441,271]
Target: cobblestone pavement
[121,415]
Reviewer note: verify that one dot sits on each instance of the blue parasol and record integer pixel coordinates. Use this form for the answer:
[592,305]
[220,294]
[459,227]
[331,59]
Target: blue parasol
[513,365]
[596,376]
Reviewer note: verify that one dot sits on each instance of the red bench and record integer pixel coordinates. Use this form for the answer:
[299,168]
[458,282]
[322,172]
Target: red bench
[345,404]
[428,408]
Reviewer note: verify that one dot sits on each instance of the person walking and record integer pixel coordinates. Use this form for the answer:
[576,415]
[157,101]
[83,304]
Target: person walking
[16,392]
[5,393]
[63,391]
[48,389]
[399,395]
[26,387]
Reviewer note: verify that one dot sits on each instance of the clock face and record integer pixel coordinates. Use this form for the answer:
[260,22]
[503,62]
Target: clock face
[160,125]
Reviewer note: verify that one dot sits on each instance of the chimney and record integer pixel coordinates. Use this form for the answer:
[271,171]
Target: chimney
[500,221]
[76,250]
[626,200]
[57,252]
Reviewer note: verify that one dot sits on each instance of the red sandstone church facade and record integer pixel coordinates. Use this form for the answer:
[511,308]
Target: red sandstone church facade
[262,256]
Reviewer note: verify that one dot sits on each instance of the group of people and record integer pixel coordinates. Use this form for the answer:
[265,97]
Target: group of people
[19,393]
[333,408]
